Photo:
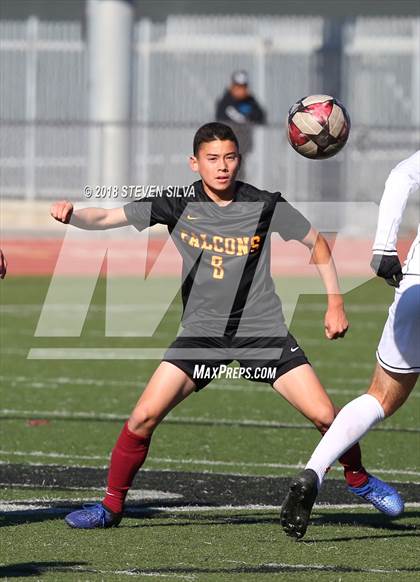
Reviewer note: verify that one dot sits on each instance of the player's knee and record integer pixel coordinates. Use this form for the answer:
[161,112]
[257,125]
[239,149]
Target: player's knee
[323,419]
[143,421]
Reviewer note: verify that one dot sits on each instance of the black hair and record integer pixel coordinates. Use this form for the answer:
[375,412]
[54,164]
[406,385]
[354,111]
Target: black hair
[211,131]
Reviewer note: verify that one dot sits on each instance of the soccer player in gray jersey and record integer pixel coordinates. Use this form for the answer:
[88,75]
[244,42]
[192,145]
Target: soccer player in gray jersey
[398,357]
[231,311]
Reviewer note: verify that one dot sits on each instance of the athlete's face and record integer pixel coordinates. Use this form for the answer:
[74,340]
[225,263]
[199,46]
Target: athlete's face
[217,162]
[239,92]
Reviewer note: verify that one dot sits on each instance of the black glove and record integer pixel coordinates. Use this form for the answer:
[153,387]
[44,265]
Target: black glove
[388,267]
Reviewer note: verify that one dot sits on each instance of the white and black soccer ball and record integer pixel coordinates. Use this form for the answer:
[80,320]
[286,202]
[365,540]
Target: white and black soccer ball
[318,126]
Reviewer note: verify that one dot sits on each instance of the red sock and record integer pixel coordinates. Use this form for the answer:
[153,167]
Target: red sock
[127,457]
[354,472]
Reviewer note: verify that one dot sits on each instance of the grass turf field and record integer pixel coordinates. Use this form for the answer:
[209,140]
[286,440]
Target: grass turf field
[206,507]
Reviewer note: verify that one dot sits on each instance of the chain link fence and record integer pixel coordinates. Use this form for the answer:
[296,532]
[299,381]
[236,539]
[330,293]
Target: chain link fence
[180,69]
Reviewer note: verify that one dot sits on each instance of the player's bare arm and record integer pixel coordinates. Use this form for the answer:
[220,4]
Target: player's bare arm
[335,321]
[88,218]
[3,265]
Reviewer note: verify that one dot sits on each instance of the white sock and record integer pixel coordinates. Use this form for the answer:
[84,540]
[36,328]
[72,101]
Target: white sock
[349,426]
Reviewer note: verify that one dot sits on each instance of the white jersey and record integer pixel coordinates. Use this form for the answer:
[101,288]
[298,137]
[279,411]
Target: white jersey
[398,349]
[403,180]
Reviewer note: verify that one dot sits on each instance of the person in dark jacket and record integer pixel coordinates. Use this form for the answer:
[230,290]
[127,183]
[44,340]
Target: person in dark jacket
[239,109]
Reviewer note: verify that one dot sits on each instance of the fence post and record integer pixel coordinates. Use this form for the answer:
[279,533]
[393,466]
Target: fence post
[30,106]
[416,73]
[330,64]
[110,27]
[144,49]
[260,132]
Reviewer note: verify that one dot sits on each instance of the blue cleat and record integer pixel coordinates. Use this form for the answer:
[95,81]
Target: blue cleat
[93,516]
[381,495]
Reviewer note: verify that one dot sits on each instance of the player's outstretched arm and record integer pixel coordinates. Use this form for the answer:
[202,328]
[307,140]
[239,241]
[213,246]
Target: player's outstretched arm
[335,321]
[88,218]
[3,265]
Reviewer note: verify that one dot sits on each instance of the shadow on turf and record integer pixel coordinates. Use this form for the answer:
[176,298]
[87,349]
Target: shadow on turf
[206,519]
[373,520]
[260,569]
[378,522]
[26,569]
[20,517]
[156,518]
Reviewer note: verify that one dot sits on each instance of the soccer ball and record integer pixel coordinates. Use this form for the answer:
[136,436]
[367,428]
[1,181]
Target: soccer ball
[318,126]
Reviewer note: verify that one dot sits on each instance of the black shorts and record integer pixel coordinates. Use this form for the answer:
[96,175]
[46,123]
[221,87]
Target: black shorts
[261,359]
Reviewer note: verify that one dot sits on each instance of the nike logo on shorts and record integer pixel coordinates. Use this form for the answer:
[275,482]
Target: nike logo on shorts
[192,217]
[294,349]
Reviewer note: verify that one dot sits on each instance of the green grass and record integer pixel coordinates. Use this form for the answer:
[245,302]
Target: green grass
[216,546]
[213,546]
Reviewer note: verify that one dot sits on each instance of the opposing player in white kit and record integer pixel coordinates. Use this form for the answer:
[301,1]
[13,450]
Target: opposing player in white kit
[398,356]
[3,265]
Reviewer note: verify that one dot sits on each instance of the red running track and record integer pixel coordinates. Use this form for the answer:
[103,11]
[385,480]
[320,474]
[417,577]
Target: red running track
[130,257]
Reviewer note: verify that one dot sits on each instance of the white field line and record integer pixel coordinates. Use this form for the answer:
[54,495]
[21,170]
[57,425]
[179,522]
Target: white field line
[13,352]
[34,308]
[65,415]
[369,345]
[206,462]
[139,354]
[68,487]
[354,365]
[5,412]
[273,568]
[62,381]
[170,461]
[133,495]
[43,504]
[133,572]
[59,381]
[54,455]
[66,380]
